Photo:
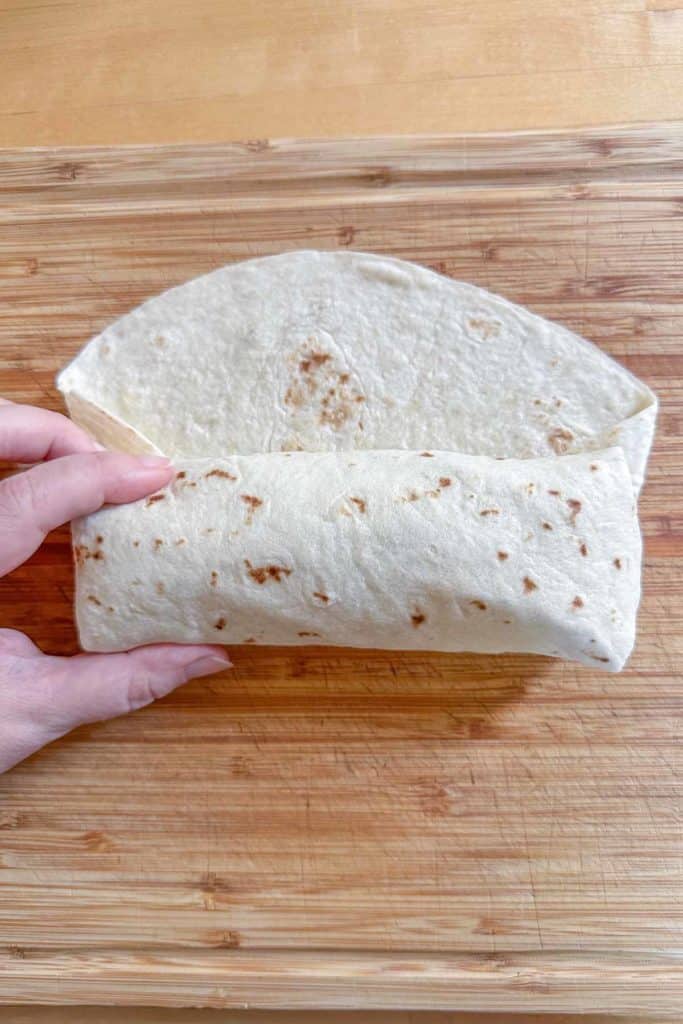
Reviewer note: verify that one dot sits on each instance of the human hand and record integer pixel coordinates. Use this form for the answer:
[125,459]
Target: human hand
[43,697]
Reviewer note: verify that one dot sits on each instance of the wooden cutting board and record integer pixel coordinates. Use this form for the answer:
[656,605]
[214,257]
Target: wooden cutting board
[325,828]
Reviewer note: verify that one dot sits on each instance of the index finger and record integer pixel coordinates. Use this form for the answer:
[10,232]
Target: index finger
[31,434]
[44,497]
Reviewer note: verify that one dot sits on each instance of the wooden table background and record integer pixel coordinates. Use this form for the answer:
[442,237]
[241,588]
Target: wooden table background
[152,1015]
[119,71]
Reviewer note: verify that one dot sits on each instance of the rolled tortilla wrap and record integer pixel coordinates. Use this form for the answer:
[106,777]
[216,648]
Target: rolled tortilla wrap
[427,550]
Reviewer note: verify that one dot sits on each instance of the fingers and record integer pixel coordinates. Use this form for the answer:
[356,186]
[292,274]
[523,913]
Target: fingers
[30,434]
[44,697]
[14,642]
[36,501]
[92,687]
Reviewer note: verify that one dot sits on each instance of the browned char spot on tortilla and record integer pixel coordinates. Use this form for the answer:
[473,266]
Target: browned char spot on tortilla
[82,553]
[262,573]
[427,455]
[249,640]
[617,563]
[335,417]
[578,602]
[594,467]
[583,548]
[222,474]
[321,597]
[252,503]
[303,632]
[94,600]
[503,556]
[489,512]
[295,396]
[554,494]
[529,585]
[417,618]
[484,328]
[560,440]
[360,503]
[160,588]
[481,605]
[575,506]
[158,542]
[214,578]
[314,360]
[547,526]
[179,543]
[320,384]
[444,482]
[220,623]
[596,657]
[181,475]
[153,499]
[136,543]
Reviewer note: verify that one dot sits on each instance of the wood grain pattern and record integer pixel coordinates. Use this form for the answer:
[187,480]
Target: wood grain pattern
[350,828]
[154,1015]
[121,71]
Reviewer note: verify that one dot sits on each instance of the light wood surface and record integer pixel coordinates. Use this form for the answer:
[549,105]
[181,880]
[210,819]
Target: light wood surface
[155,1015]
[158,1015]
[336,829]
[117,71]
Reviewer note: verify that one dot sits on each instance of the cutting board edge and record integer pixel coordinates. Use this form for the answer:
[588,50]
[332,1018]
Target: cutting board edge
[373,162]
[279,980]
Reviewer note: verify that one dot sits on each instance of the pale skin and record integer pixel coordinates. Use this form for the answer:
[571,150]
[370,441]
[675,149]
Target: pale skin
[43,697]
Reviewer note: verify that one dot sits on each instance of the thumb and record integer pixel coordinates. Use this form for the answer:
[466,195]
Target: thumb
[43,697]
[91,687]
[36,501]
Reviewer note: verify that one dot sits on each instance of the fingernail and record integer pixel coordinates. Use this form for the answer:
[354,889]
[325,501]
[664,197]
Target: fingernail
[207,666]
[154,461]
[98,447]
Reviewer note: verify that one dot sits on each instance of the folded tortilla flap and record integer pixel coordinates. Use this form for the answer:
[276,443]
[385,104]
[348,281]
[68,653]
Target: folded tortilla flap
[107,428]
[342,350]
[425,549]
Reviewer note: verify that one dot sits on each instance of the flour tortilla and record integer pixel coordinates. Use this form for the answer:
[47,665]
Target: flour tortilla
[338,351]
[387,549]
